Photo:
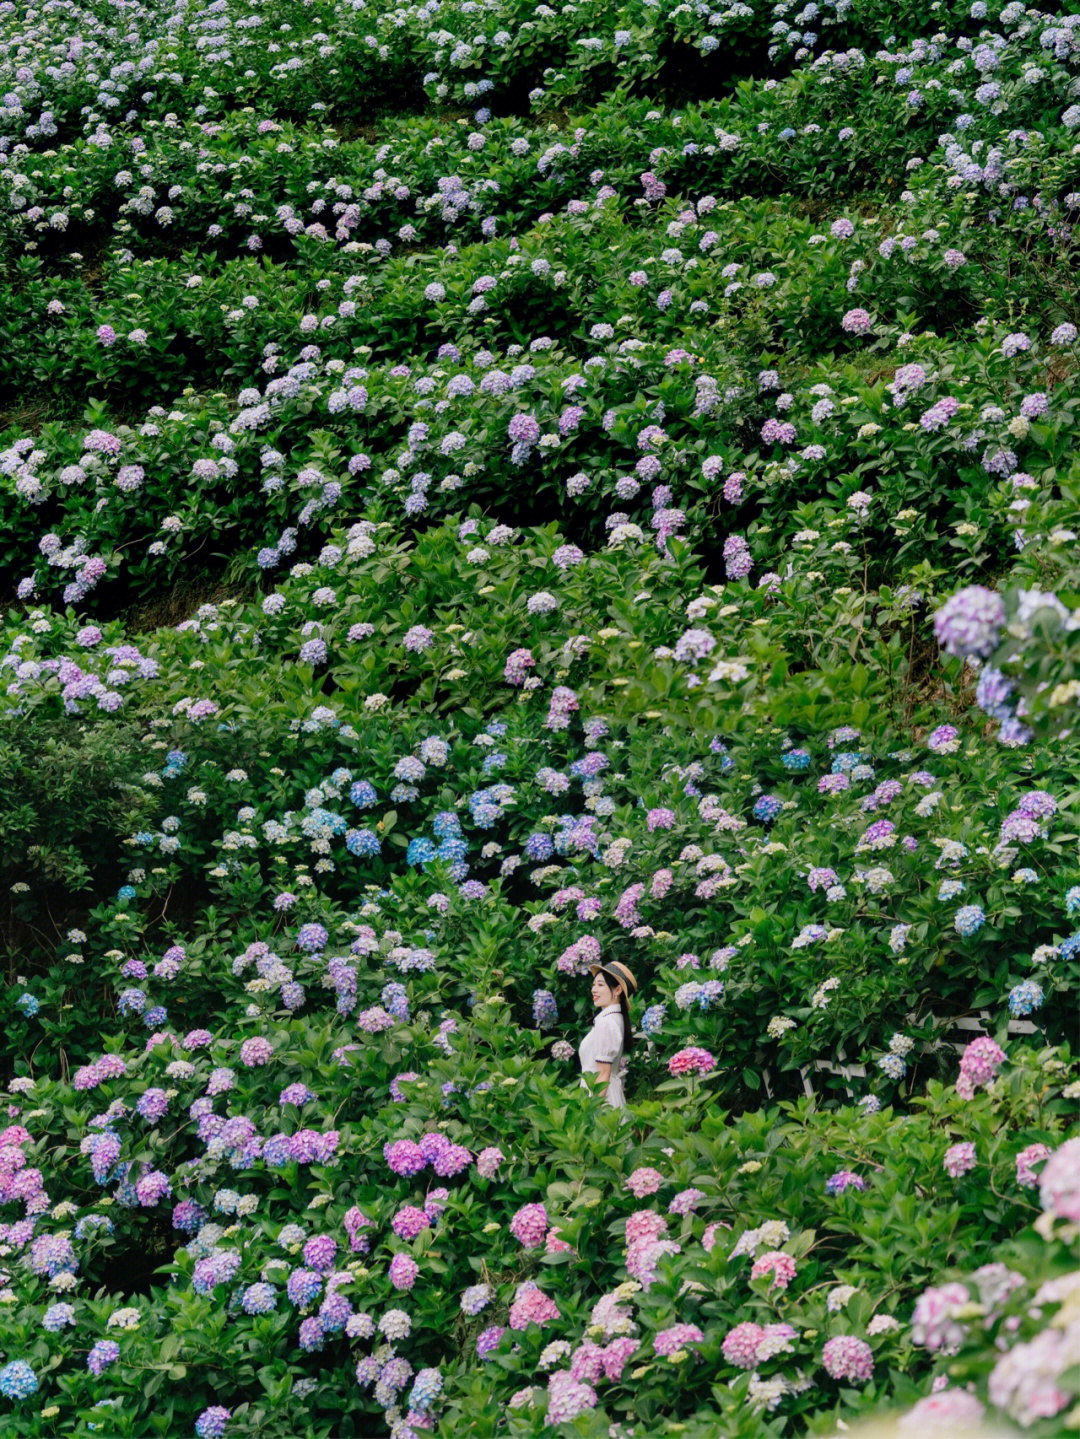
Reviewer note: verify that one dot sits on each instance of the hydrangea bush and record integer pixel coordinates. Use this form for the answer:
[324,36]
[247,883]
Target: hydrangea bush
[487,490]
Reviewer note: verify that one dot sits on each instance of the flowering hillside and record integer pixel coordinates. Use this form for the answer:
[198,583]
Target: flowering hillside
[488,490]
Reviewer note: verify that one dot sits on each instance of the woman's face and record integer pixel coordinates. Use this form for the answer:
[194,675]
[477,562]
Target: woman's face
[602,992]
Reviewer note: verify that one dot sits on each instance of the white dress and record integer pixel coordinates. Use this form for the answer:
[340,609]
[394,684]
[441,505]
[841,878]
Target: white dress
[604,1045]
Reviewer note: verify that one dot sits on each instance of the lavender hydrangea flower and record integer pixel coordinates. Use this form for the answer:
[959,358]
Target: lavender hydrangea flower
[970,622]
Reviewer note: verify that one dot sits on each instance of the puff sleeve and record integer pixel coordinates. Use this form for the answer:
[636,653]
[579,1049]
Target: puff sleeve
[609,1038]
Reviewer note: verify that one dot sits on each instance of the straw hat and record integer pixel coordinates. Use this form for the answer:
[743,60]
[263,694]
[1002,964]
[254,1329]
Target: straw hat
[618,971]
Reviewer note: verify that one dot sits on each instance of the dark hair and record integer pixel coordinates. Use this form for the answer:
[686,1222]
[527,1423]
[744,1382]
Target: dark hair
[628,1033]
[615,982]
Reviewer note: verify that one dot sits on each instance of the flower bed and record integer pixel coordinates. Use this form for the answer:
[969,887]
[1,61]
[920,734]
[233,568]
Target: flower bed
[487,491]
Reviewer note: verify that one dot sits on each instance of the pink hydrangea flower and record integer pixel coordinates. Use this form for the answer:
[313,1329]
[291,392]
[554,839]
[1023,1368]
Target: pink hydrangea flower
[645,1224]
[409,1221]
[740,1344]
[1059,1183]
[711,1236]
[934,1324]
[856,322]
[1025,1164]
[691,1061]
[780,1265]
[686,1201]
[355,1222]
[587,1362]
[979,1064]
[1023,1382]
[661,882]
[679,1335]
[567,1398]
[518,665]
[152,1188]
[529,1225]
[405,1157]
[488,1161]
[616,1356]
[531,1306]
[320,1252]
[255,1051]
[403,1271]
[451,1161]
[846,1357]
[959,1159]
[643,1181]
[435,1203]
[945,1413]
[643,1257]
[776,1339]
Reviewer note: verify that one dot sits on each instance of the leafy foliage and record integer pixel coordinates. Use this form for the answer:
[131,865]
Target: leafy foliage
[488,490]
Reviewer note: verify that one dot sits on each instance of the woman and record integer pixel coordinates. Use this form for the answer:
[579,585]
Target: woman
[601,1051]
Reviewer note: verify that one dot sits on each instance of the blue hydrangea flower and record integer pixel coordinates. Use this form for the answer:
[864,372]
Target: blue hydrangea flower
[57,1317]
[17,1380]
[426,1388]
[652,1021]
[993,692]
[421,850]
[475,1298]
[364,843]
[311,937]
[395,1000]
[303,1287]
[321,822]
[211,1422]
[718,747]
[89,1222]
[969,919]
[446,825]
[334,1312]
[1025,998]
[277,1151]
[767,807]
[545,1010]
[846,760]
[892,1066]
[104,1353]
[686,996]
[363,794]
[539,847]
[259,1299]
[131,1001]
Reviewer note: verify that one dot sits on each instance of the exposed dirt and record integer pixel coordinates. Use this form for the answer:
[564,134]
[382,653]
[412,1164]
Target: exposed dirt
[172,608]
[25,416]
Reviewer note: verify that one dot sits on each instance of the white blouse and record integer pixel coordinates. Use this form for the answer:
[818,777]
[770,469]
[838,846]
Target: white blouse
[604,1045]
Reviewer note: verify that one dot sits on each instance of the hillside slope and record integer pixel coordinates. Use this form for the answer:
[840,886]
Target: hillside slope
[488,488]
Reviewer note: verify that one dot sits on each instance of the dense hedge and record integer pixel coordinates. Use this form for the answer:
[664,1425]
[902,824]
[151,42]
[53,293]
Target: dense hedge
[485,488]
